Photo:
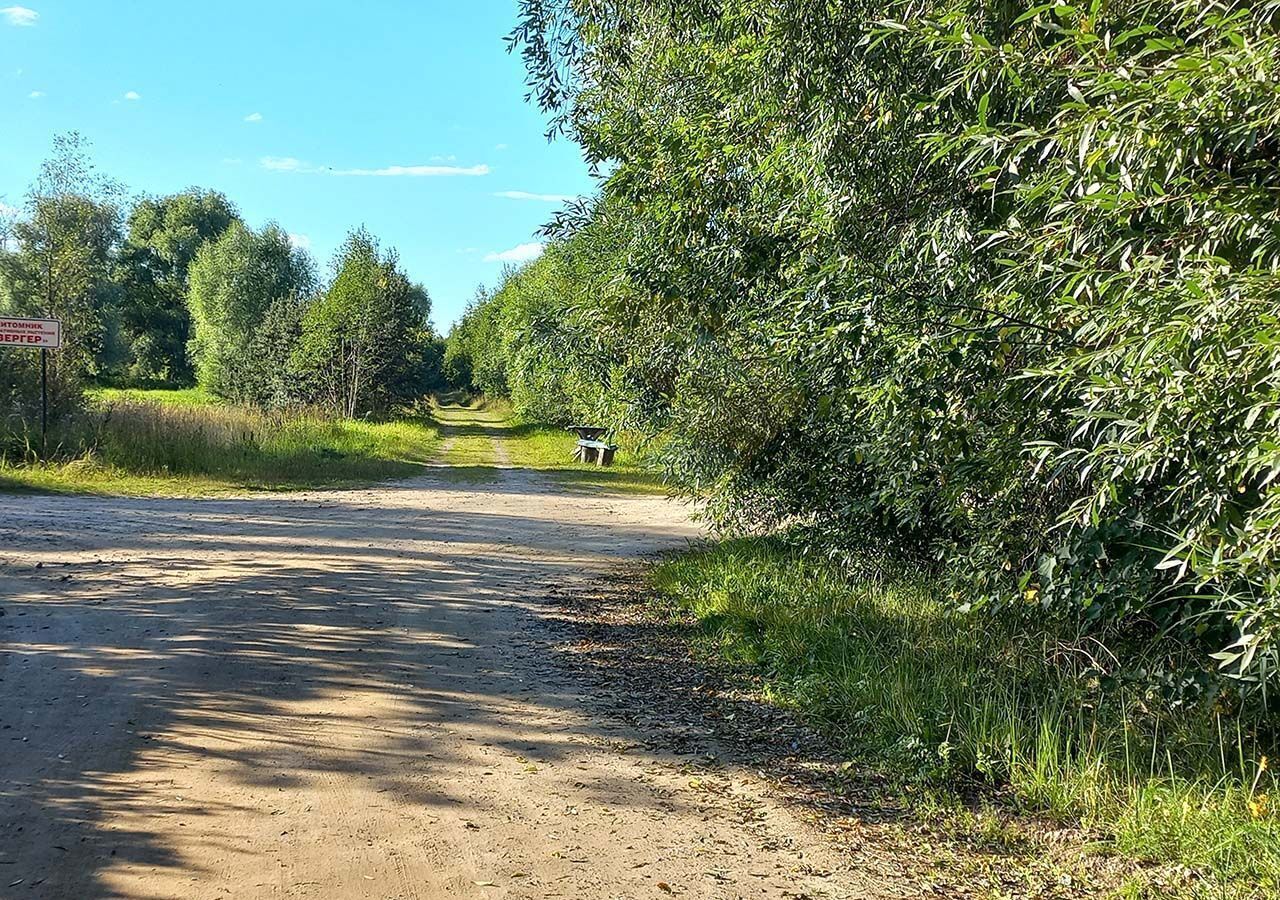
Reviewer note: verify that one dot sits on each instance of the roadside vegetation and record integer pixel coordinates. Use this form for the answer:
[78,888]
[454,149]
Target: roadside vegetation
[945,703]
[193,396]
[978,292]
[237,365]
[185,443]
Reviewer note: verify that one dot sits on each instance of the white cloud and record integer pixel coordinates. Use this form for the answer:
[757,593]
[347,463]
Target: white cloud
[253,117]
[6,210]
[35,95]
[132,95]
[19,15]
[291,164]
[301,241]
[525,195]
[282,163]
[518,253]
[415,171]
[500,147]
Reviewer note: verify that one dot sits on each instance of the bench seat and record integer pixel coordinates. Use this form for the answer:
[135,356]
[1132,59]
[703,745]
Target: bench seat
[597,452]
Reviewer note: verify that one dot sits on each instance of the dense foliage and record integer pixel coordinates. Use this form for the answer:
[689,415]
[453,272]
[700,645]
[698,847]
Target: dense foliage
[366,343]
[235,281]
[993,281]
[164,235]
[179,290]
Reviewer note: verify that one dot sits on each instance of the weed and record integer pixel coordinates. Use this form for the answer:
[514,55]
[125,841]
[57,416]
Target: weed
[942,700]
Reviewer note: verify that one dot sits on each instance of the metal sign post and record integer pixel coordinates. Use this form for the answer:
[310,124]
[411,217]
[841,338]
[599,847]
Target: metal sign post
[46,334]
[44,403]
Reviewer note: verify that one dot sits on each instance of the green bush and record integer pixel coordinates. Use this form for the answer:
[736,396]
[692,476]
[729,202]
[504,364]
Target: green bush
[989,281]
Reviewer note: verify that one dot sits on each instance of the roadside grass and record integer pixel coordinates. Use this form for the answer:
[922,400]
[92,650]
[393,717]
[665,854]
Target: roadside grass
[549,448]
[948,704]
[468,431]
[472,427]
[169,396]
[187,446]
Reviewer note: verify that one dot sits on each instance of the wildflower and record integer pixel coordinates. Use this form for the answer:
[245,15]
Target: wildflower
[1030,594]
[1258,806]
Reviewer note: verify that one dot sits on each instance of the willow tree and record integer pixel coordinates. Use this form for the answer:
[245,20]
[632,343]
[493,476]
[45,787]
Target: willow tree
[366,342]
[234,281]
[997,282]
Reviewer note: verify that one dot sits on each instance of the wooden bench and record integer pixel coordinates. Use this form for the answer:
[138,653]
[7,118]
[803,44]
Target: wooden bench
[597,452]
[587,432]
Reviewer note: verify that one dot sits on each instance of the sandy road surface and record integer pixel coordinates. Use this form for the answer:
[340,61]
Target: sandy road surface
[342,695]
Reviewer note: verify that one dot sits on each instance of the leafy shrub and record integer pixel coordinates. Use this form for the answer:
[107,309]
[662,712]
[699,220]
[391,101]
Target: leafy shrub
[992,281]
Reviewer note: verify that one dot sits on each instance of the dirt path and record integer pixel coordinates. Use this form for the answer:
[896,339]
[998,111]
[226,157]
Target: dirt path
[345,695]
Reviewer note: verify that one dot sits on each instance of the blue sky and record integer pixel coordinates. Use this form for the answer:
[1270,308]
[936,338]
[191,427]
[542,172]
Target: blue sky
[406,117]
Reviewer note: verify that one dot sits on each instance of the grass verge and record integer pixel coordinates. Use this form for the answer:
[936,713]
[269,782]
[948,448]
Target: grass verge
[952,706]
[469,451]
[134,443]
[481,433]
[104,396]
[549,448]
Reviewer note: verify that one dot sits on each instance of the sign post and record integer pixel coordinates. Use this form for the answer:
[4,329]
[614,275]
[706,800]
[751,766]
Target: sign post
[44,402]
[45,334]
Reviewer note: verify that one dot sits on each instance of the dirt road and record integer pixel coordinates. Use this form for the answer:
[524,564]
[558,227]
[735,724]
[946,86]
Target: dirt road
[343,695]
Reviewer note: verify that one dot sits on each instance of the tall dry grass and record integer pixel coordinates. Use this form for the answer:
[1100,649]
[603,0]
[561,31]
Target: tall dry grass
[121,438]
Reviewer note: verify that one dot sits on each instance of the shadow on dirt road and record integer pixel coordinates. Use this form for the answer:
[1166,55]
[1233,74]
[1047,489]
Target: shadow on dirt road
[344,694]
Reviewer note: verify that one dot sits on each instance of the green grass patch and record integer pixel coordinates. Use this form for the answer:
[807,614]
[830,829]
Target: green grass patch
[170,397]
[188,446]
[549,448]
[469,435]
[474,432]
[946,701]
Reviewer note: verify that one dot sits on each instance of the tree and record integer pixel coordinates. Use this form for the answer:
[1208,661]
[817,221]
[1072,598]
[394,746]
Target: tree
[473,356]
[164,235]
[268,376]
[234,281]
[995,282]
[62,264]
[366,342]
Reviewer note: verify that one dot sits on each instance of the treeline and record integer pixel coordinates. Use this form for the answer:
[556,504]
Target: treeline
[991,286]
[178,290]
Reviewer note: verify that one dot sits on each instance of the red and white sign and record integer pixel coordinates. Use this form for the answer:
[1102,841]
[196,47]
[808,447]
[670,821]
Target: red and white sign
[46,333]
